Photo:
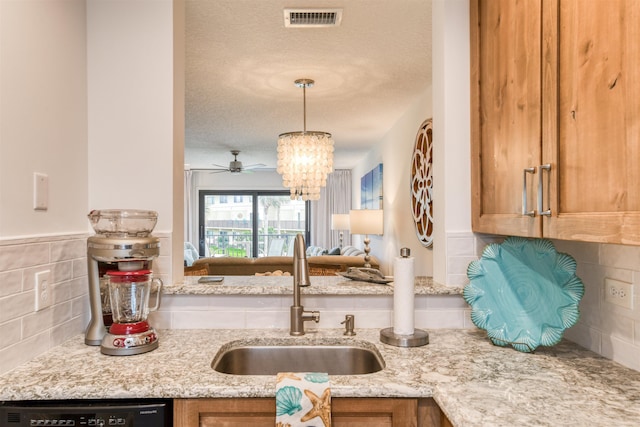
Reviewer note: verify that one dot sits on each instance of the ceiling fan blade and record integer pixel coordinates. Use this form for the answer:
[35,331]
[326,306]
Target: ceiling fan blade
[210,170]
[235,166]
[255,166]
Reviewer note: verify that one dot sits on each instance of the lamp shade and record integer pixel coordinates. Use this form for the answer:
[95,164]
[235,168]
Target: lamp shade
[340,221]
[366,221]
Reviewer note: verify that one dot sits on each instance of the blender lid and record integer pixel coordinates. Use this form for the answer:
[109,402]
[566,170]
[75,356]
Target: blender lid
[138,276]
[123,222]
[135,273]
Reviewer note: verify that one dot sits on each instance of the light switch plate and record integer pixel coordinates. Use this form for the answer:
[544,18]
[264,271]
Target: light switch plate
[618,293]
[40,191]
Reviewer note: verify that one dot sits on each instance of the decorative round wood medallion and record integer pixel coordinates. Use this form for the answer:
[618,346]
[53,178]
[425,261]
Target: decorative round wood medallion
[422,183]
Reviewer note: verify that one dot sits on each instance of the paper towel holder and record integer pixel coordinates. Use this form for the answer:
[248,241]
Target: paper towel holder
[417,339]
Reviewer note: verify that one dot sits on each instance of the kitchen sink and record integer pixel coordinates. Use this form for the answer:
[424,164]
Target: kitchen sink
[271,359]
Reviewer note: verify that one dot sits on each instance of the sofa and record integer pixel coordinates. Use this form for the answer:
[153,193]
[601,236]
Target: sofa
[320,263]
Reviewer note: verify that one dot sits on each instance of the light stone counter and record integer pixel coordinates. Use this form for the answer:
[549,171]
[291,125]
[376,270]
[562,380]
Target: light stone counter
[474,382]
[283,285]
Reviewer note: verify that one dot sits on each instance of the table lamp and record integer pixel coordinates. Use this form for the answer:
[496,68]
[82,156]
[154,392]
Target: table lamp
[340,222]
[366,221]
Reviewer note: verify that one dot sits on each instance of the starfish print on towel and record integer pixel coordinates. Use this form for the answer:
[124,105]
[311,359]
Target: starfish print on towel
[321,407]
[284,375]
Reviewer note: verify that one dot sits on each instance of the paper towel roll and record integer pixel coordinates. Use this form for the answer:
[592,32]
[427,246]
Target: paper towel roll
[403,288]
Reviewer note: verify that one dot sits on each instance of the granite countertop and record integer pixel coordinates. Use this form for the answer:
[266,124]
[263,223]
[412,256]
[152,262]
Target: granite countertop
[283,285]
[474,382]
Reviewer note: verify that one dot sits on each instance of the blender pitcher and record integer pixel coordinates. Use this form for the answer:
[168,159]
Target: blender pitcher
[129,292]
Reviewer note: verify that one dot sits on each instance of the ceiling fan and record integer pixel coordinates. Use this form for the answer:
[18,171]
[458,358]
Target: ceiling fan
[235,166]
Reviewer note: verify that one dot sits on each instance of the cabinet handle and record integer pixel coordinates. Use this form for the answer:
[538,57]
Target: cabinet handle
[546,167]
[525,211]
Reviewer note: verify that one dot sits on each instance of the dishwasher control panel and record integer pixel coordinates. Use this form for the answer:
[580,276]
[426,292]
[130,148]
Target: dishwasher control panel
[86,413]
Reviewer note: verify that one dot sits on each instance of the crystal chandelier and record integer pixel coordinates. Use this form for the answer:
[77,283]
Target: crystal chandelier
[305,158]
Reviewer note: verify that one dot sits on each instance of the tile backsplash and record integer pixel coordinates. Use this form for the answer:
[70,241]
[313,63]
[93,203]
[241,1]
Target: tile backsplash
[604,328]
[272,311]
[25,333]
[607,329]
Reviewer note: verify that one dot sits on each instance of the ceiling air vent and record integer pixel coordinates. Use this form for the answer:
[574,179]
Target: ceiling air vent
[312,18]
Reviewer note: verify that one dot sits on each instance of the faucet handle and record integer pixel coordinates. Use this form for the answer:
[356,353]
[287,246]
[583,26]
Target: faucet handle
[315,316]
[349,324]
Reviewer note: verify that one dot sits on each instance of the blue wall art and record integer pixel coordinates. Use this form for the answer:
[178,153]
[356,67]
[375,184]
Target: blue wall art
[371,189]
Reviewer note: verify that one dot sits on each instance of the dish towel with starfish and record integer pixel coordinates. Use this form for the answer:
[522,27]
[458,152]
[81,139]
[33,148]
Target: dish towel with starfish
[303,399]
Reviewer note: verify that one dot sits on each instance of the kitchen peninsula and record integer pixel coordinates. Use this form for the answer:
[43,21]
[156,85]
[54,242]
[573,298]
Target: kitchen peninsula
[283,285]
[473,382]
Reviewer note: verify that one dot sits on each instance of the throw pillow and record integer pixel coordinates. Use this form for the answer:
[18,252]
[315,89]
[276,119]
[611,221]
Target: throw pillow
[316,251]
[351,251]
[334,251]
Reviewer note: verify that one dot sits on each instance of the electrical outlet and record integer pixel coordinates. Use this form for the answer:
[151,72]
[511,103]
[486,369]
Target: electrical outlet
[44,298]
[618,293]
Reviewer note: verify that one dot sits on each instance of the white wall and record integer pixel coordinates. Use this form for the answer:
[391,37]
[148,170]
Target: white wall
[87,98]
[43,116]
[131,113]
[130,66]
[43,128]
[395,151]
[451,128]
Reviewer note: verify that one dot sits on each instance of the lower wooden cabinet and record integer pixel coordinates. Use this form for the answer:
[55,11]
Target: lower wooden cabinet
[345,412]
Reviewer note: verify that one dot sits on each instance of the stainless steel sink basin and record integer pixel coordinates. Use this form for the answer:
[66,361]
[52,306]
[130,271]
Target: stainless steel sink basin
[271,359]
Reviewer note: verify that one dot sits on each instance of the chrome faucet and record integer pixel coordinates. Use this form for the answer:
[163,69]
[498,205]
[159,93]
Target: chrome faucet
[300,279]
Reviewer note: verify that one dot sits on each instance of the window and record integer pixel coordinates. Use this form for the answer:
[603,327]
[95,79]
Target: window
[250,223]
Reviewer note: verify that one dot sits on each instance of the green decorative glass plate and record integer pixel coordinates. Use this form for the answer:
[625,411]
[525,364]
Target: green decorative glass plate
[523,293]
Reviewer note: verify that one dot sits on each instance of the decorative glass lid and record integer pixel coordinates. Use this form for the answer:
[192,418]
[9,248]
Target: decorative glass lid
[123,222]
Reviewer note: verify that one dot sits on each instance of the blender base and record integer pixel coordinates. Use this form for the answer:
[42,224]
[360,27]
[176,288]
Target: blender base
[129,344]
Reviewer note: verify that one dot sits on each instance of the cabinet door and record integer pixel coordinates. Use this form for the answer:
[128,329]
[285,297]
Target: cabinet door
[506,110]
[379,412]
[591,116]
[258,412]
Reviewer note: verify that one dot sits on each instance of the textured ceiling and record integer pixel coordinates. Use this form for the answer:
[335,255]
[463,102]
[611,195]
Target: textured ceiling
[241,63]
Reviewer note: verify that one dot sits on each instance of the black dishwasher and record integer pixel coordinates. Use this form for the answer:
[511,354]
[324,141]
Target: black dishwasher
[83,413]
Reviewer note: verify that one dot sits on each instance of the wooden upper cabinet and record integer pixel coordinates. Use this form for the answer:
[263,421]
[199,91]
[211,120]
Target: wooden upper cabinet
[505,114]
[556,82]
[591,104]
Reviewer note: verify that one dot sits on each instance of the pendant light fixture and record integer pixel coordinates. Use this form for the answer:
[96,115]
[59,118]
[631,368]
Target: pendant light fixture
[305,158]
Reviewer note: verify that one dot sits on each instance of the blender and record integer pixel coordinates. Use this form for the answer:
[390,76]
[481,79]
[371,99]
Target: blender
[123,243]
[130,333]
